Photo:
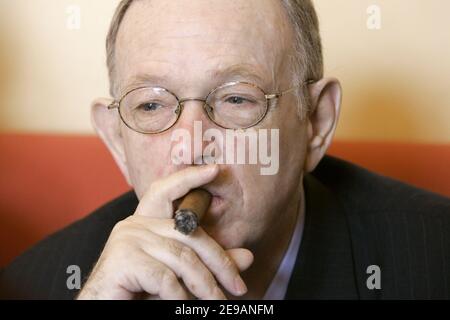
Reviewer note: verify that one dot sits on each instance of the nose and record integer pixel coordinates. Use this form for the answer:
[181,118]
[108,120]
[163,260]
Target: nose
[193,111]
[189,146]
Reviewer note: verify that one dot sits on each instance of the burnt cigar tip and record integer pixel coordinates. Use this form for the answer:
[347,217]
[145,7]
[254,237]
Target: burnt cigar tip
[186,221]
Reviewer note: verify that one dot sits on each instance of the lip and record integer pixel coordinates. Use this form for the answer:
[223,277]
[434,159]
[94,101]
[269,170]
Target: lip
[218,206]
[216,201]
[216,209]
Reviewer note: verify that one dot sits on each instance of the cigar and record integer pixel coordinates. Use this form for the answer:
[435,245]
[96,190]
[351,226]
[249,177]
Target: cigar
[191,210]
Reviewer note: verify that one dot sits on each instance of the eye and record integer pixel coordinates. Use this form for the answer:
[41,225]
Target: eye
[149,106]
[236,100]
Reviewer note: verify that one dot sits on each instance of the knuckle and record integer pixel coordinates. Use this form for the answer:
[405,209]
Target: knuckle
[167,279]
[125,225]
[173,248]
[121,225]
[187,255]
[121,236]
[149,271]
[227,263]
[130,228]
[211,284]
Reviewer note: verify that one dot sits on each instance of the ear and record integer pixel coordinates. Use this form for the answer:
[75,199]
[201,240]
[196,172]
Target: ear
[325,98]
[107,125]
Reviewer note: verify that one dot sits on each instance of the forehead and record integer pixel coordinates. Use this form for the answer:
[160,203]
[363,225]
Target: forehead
[190,40]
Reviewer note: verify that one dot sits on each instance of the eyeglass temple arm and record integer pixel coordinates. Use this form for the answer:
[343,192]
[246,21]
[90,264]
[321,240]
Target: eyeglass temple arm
[113,105]
[279,94]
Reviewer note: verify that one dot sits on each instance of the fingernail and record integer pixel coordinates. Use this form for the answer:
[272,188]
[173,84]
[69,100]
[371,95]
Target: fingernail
[240,286]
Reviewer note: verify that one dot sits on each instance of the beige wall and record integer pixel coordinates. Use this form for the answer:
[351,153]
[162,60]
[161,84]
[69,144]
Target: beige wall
[396,79]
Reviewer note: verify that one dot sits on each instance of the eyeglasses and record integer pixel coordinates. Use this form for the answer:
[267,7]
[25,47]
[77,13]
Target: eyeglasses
[233,105]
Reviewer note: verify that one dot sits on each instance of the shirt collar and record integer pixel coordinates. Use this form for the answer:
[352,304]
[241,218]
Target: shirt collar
[278,287]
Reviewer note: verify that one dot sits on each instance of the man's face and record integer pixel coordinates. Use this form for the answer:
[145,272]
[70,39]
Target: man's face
[189,48]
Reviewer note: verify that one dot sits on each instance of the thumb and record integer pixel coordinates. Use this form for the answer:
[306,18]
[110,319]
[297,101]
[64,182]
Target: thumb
[243,258]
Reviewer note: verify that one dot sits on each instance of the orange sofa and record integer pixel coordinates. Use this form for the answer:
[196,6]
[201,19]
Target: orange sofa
[49,181]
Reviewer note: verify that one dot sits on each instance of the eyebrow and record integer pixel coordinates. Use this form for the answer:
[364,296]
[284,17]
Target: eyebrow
[144,79]
[242,72]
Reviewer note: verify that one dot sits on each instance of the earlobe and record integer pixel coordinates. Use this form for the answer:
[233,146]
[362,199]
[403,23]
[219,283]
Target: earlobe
[107,125]
[325,97]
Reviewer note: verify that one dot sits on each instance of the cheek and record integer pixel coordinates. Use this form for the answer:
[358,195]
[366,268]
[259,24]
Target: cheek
[264,194]
[293,149]
[256,197]
[293,138]
[292,133]
[147,160]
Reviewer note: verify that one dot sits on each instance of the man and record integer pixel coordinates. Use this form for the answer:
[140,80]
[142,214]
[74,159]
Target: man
[235,66]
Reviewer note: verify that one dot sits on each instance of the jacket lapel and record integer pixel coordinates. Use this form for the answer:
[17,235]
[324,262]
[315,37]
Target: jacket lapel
[324,268]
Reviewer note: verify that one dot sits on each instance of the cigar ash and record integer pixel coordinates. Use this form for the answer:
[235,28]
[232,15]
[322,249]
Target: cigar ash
[186,221]
[191,210]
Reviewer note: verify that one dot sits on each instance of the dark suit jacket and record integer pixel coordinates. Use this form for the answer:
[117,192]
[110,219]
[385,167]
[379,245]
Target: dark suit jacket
[354,219]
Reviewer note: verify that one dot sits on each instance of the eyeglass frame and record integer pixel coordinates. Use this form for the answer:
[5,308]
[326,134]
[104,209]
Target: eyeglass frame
[180,103]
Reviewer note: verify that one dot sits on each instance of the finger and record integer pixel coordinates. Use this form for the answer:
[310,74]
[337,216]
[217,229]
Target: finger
[157,201]
[210,252]
[156,279]
[186,265]
[243,258]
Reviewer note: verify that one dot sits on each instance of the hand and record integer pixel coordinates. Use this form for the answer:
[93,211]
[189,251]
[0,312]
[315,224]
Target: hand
[145,255]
